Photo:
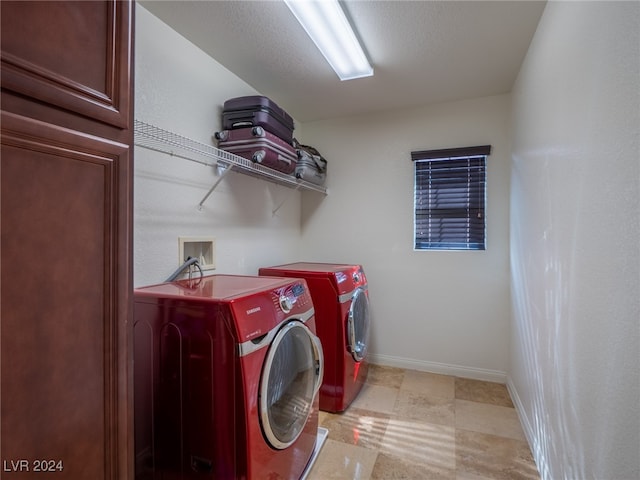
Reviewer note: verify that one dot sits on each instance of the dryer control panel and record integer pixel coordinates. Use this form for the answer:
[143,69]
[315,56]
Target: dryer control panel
[349,279]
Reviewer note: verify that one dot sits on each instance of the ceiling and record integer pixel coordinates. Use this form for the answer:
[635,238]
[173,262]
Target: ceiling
[422,52]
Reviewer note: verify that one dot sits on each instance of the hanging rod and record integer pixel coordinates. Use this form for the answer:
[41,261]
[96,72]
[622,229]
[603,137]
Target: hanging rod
[153,138]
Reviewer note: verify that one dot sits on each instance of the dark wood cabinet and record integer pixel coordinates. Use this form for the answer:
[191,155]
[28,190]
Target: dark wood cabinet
[66,176]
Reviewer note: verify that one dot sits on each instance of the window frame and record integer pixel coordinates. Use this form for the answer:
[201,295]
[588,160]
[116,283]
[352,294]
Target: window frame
[445,186]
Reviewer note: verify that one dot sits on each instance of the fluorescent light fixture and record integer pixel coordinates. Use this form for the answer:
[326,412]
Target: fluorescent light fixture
[326,24]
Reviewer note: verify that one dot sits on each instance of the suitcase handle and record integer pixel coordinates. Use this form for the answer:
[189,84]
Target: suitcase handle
[284,159]
[237,116]
[240,118]
[259,155]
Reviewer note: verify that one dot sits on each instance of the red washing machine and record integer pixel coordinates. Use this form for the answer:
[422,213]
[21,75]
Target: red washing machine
[340,298]
[226,374]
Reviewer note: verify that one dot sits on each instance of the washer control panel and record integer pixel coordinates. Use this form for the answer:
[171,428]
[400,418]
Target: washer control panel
[294,295]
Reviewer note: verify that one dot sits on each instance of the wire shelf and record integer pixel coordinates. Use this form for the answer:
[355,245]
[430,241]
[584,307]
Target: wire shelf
[159,140]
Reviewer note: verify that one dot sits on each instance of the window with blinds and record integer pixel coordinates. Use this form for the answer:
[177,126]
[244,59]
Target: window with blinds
[449,205]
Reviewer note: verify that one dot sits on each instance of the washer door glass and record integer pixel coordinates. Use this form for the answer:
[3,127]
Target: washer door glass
[358,325]
[291,377]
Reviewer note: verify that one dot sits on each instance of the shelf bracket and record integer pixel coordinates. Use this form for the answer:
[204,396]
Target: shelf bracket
[227,169]
[291,192]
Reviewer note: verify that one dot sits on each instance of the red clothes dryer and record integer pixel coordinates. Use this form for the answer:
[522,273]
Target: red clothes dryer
[226,371]
[340,298]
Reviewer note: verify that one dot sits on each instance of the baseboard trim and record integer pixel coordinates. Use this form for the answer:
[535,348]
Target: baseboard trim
[524,420]
[440,368]
[536,451]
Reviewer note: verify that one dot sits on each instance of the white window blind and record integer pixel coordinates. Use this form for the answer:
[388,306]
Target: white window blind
[450,193]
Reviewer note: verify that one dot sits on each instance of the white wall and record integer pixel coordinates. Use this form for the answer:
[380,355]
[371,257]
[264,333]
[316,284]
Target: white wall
[181,89]
[575,236]
[440,311]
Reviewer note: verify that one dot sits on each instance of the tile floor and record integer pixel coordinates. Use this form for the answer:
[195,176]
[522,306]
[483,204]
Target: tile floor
[411,425]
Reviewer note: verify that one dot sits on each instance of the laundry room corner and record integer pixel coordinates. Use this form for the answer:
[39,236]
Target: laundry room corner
[180,89]
[441,311]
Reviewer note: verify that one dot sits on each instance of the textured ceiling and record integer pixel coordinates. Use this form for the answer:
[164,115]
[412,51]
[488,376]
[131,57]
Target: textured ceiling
[422,51]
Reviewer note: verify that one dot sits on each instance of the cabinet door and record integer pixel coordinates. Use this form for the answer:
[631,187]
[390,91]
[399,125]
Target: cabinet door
[71,54]
[65,348]
[66,396]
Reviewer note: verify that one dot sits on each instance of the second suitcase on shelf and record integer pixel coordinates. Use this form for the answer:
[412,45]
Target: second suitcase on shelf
[311,168]
[259,146]
[257,110]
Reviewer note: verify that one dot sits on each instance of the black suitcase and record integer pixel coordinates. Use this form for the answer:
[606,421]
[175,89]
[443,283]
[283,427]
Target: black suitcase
[257,110]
